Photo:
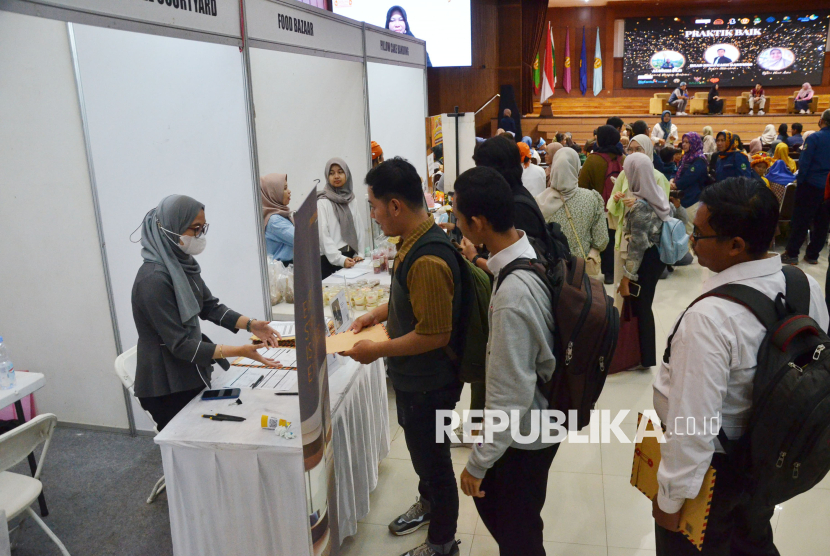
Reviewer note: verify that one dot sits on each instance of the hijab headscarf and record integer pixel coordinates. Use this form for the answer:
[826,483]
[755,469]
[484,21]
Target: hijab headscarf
[174,213]
[782,152]
[524,151]
[769,135]
[391,11]
[713,92]
[340,198]
[707,131]
[502,154]
[695,151]
[608,140]
[272,190]
[541,143]
[639,172]
[709,145]
[527,141]
[552,149]
[804,138]
[665,126]
[564,182]
[755,146]
[806,92]
[731,143]
[645,142]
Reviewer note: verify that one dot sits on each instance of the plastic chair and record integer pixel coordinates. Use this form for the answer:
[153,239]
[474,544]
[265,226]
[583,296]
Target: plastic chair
[18,492]
[125,369]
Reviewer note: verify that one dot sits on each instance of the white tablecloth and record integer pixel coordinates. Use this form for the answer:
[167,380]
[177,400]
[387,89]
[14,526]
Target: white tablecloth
[235,488]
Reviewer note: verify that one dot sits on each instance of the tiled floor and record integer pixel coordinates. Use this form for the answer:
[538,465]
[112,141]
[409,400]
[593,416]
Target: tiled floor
[591,508]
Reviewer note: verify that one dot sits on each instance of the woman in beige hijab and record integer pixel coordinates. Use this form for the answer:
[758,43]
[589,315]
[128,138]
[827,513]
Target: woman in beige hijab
[279,222]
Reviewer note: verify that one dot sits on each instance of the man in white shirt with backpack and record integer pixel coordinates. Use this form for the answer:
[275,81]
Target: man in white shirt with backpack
[508,479]
[706,380]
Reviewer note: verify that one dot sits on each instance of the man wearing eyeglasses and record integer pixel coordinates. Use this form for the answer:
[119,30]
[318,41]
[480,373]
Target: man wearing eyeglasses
[708,371]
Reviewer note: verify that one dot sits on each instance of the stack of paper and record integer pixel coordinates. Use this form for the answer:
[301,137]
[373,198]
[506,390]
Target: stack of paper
[286,357]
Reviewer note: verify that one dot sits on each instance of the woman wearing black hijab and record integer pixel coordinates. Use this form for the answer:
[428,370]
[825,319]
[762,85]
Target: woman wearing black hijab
[397,21]
[601,165]
[715,101]
[169,297]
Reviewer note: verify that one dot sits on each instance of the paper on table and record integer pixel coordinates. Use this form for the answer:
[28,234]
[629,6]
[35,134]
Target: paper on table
[280,380]
[350,273]
[286,357]
[347,340]
[283,328]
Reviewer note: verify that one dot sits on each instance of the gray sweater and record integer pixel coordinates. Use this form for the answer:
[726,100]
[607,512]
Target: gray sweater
[519,349]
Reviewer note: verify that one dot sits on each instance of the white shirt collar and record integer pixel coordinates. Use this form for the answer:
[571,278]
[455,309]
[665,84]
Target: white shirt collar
[744,271]
[521,248]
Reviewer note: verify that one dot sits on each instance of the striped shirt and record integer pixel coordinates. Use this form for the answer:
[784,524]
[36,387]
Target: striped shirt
[430,286]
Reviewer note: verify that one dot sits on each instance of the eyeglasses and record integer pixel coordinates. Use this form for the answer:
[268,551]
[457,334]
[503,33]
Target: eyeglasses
[632,150]
[200,230]
[697,237]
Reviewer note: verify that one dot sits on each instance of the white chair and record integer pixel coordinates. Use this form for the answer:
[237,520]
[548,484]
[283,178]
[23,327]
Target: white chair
[125,369]
[18,492]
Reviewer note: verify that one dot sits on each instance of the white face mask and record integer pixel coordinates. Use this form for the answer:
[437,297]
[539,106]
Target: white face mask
[193,245]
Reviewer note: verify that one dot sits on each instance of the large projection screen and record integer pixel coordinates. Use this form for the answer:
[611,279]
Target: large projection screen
[54,310]
[169,116]
[397,112]
[309,109]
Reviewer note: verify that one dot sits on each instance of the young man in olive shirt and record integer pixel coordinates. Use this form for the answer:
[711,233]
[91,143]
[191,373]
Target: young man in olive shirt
[422,321]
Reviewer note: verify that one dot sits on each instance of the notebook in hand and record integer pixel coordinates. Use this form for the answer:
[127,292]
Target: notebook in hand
[346,340]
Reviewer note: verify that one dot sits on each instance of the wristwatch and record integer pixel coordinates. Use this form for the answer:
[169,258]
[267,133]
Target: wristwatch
[475,260]
[248,326]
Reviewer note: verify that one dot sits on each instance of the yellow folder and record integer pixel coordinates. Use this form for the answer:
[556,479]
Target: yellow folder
[695,513]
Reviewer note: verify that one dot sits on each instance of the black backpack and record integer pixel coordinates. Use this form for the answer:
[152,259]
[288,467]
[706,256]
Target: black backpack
[554,246]
[785,450]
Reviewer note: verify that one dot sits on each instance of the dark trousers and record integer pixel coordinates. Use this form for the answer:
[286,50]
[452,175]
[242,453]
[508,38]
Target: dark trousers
[478,397]
[648,275]
[802,105]
[735,527]
[809,209]
[515,489]
[164,408]
[327,269]
[607,255]
[716,107]
[431,459]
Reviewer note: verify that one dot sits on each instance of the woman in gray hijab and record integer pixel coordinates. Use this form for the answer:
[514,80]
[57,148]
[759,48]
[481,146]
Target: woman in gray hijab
[169,297]
[338,218]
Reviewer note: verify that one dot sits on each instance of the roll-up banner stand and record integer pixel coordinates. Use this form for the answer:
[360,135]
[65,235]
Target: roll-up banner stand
[313,384]
[204,20]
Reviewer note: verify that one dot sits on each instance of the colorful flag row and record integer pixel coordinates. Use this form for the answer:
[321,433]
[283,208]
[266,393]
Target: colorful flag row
[544,73]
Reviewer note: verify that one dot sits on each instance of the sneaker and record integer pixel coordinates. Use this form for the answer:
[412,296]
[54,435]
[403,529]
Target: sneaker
[413,519]
[752,112]
[786,259]
[810,261]
[803,112]
[760,112]
[426,550]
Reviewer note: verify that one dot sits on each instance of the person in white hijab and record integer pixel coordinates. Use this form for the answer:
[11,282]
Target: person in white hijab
[642,228]
[579,212]
[768,136]
[338,218]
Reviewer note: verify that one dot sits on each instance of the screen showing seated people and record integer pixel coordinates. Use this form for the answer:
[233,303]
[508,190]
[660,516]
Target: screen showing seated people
[731,50]
[443,24]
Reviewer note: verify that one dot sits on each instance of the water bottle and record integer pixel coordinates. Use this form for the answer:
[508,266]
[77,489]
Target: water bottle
[7,380]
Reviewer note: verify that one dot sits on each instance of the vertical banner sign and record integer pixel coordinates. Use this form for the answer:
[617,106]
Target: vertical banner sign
[313,383]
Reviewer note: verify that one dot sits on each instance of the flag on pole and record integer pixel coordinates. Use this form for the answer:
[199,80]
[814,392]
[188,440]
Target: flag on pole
[583,66]
[566,81]
[597,68]
[549,71]
[537,76]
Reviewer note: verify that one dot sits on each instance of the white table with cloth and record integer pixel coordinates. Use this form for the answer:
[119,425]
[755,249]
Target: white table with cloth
[236,488]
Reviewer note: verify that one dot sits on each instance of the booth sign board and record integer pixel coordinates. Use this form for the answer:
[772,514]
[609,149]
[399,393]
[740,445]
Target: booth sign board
[384,46]
[294,24]
[214,17]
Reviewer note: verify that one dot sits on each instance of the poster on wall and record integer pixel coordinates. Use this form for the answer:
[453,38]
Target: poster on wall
[313,383]
[435,137]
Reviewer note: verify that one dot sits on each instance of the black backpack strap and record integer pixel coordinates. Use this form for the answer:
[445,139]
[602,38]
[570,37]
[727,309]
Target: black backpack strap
[532,265]
[798,289]
[759,304]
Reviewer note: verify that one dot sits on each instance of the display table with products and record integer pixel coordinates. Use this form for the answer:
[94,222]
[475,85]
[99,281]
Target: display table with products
[355,277]
[236,488]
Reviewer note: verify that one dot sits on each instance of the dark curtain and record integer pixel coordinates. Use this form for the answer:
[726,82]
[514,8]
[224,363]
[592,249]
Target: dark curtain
[534,14]
[508,100]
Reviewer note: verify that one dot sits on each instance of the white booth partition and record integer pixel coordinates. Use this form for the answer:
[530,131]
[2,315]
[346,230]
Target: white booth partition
[307,76]
[168,116]
[54,309]
[396,71]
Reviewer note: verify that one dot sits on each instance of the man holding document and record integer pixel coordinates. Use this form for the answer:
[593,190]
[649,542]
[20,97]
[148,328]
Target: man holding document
[422,320]
[706,380]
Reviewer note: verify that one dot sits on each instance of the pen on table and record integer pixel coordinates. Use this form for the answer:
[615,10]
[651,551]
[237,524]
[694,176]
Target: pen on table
[223,417]
[256,383]
[286,394]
